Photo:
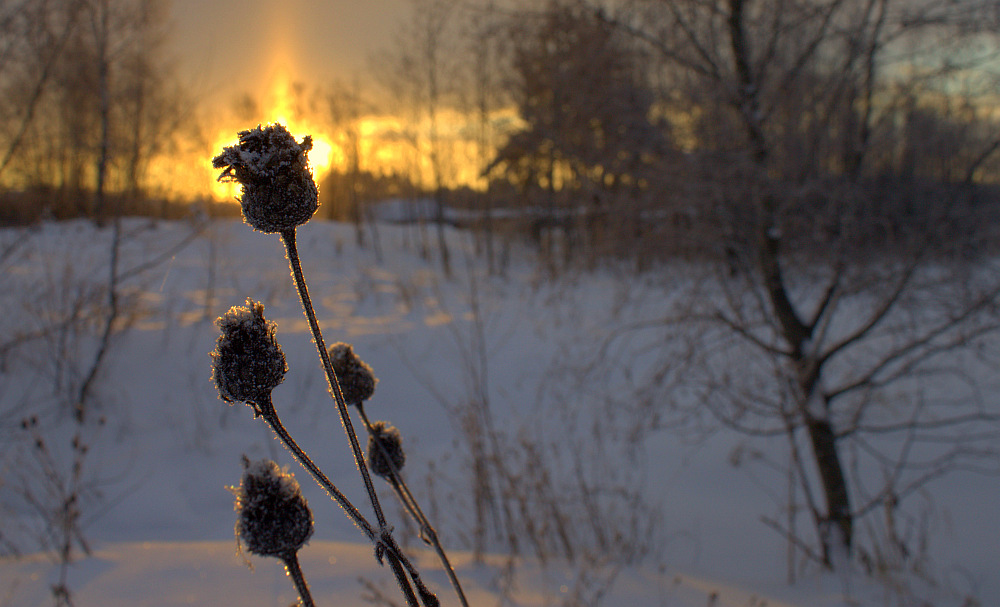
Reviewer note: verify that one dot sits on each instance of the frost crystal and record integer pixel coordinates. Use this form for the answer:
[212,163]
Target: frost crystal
[279,192]
[273,518]
[357,380]
[393,445]
[247,362]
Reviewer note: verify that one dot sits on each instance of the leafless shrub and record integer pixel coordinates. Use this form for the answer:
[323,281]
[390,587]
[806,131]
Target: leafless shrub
[546,481]
[68,301]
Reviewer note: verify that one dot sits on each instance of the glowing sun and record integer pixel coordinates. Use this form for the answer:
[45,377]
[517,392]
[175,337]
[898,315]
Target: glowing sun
[280,109]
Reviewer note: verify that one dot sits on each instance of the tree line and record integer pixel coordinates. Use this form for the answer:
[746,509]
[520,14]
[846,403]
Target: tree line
[835,160]
[89,101]
[656,122]
[637,128]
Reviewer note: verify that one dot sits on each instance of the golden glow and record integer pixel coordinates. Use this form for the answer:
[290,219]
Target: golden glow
[281,110]
[384,144]
[280,104]
[392,144]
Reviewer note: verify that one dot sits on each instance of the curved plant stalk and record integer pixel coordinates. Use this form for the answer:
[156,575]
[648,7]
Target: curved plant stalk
[288,238]
[265,408]
[385,540]
[295,572]
[427,532]
[382,539]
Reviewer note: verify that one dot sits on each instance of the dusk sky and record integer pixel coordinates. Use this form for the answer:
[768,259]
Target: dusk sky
[225,48]
[224,45]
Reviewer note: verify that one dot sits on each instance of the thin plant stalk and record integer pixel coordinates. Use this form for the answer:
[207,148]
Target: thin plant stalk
[410,502]
[288,238]
[295,572]
[399,563]
[266,409]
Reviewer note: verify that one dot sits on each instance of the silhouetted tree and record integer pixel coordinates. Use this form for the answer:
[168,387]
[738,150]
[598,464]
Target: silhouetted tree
[33,37]
[420,75]
[109,106]
[590,138]
[806,119]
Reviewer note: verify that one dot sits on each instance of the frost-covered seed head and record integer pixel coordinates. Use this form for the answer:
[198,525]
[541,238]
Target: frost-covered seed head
[393,445]
[273,519]
[278,188]
[247,362]
[357,380]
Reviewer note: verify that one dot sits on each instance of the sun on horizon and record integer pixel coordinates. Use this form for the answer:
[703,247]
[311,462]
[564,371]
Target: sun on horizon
[281,110]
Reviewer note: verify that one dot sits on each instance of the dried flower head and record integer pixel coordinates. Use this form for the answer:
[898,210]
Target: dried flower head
[247,362]
[273,518]
[392,444]
[357,380]
[279,192]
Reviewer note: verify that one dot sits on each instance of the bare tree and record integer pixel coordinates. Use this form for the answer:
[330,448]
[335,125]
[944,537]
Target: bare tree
[591,149]
[70,303]
[107,105]
[420,74]
[345,105]
[484,97]
[847,286]
[120,43]
[34,37]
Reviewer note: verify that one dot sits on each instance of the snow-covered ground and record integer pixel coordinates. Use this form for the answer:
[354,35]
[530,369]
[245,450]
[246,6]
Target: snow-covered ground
[163,533]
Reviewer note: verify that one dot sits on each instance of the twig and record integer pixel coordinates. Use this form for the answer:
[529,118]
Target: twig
[79,408]
[792,538]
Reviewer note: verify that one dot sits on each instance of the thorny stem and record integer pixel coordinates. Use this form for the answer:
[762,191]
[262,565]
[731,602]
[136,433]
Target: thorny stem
[295,572]
[392,550]
[427,531]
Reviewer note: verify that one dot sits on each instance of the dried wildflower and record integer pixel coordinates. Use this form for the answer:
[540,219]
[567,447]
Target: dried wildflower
[247,362]
[392,443]
[357,380]
[279,192]
[273,518]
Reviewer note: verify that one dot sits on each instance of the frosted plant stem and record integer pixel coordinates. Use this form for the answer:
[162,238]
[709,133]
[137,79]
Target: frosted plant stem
[431,534]
[410,502]
[295,572]
[288,237]
[392,550]
[266,408]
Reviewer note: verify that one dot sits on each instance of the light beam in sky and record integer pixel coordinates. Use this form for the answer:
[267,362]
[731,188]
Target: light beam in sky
[321,157]
[280,104]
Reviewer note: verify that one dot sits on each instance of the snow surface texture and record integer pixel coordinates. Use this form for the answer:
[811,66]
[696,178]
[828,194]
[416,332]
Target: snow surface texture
[165,533]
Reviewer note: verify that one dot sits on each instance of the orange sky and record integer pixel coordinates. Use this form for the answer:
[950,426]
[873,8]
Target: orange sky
[228,48]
